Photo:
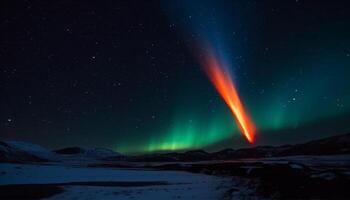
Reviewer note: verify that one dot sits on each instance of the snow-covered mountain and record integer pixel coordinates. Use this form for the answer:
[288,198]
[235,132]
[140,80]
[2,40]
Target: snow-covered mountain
[93,153]
[15,151]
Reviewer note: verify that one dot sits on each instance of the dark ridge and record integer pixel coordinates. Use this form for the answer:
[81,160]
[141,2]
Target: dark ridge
[339,144]
[70,150]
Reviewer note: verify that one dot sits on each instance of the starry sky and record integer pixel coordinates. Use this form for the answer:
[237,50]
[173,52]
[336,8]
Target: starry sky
[127,75]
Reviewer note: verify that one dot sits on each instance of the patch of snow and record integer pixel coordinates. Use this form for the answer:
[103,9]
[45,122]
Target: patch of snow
[296,166]
[327,176]
[25,174]
[183,185]
[101,153]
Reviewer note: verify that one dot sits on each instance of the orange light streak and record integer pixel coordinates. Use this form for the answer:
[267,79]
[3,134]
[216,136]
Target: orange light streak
[227,90]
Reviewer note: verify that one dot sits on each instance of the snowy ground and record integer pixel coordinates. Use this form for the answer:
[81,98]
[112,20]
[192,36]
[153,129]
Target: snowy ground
[177,185]
[307,177]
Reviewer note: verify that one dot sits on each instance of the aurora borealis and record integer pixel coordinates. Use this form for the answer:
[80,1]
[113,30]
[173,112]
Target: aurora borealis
[128,75]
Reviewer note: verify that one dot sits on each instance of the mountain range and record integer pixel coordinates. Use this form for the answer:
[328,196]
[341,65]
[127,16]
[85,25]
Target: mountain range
[15,151]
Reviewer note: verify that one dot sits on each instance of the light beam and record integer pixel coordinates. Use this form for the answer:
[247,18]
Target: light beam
[223,83]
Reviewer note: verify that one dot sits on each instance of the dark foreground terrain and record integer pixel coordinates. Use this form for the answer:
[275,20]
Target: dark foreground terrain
[289,180]
[315,170]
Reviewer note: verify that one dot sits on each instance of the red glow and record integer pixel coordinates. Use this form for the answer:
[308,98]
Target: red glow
[226,88]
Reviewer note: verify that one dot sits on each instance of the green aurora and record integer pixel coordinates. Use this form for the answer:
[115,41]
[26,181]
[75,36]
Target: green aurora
[286,89]
[281,106]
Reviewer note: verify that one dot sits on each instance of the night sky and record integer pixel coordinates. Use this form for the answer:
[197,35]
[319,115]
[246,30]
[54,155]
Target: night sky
[127,75]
